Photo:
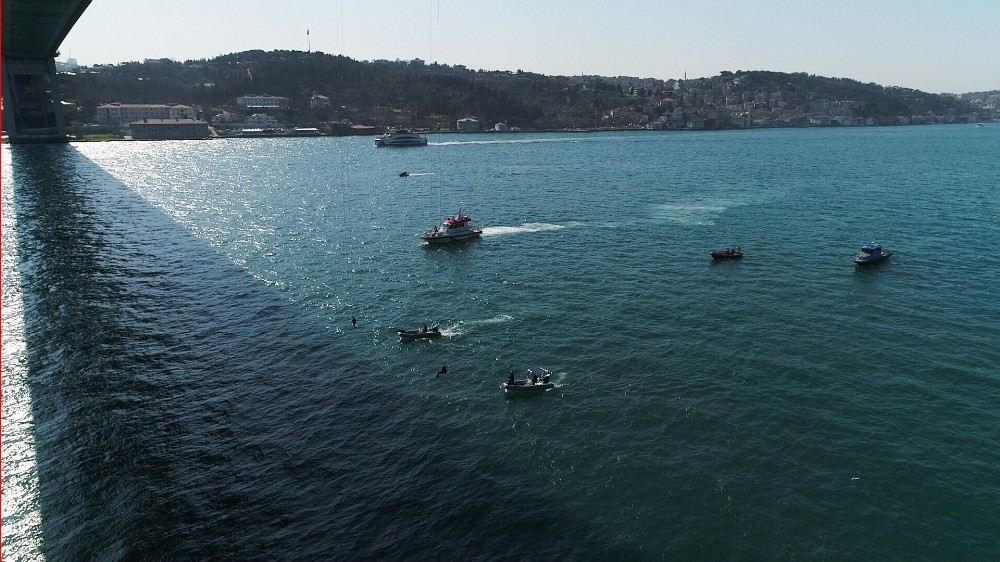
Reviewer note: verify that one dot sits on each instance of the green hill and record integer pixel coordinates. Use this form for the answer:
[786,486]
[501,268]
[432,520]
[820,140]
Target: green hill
[415,94]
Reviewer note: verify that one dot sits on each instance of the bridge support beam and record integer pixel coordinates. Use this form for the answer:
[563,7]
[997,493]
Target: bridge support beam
[32,105]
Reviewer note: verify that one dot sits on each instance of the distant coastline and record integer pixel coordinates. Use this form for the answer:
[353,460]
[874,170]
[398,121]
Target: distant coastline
[103,138]
[266,94]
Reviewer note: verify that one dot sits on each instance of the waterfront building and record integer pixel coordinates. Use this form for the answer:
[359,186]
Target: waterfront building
[227,120]
[467,125]
[122,113]
[161,129]
[254,101]
[261,120]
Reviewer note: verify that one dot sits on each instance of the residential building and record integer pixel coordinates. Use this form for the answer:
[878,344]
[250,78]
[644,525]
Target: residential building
[254,101]
[227,120]
[122,113]
[319,102]
[501,127]
[467,125]
[160,129]
[262,120]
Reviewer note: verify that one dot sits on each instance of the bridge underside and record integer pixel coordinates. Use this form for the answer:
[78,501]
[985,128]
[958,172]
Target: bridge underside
[32,33]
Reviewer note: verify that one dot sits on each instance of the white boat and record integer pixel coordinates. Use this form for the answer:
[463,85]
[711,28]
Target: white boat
[401,137]
[455,228]
[539,381]
[871,253]
[425,334]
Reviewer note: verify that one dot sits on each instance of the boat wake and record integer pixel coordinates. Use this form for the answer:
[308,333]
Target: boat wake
[464,326]
[506,141]
[525,228]
[418,174]
[498,319]
[704,214]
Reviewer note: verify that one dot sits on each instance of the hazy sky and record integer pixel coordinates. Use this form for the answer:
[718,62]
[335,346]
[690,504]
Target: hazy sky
[930,45]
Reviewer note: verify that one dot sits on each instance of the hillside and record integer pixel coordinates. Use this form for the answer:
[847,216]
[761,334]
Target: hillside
[415,94]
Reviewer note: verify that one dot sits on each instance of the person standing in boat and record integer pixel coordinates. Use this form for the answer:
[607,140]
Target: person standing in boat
[534,378]
[510,379]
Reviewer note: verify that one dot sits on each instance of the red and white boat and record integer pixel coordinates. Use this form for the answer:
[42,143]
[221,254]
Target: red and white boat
[728,254]
[455,228]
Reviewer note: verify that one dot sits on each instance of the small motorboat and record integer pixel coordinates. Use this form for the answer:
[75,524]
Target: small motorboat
[871,253]
[539,381]
[728,254]
[455,228]
[404,174]
[424,334]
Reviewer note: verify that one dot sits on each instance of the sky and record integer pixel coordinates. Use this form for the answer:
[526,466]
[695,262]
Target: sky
[929,45]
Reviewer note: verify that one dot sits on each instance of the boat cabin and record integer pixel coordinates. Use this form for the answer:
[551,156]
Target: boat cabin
[871,248]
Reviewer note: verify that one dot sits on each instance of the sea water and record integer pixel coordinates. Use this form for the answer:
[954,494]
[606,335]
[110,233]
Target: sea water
[181,378]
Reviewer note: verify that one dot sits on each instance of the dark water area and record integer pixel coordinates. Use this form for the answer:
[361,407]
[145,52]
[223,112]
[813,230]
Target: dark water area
[183,411]
[181,380]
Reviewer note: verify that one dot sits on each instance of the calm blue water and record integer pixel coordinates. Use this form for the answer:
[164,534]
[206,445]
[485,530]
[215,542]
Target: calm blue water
[181,379]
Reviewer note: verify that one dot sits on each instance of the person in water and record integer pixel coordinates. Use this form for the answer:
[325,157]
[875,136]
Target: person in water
[354,321]
[442,371]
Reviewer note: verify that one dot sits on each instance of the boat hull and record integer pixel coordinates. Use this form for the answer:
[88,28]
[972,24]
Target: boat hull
[452,238]
[399,144]
[413,336]
[525,388]
[861,262]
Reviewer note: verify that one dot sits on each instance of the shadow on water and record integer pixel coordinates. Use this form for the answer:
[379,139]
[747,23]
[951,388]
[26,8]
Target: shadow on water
[184,410]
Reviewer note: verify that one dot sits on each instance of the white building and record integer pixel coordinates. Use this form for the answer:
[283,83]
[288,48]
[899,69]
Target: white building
[318,101]
[501,127]
[253,101]
[122,113]
[226,119]
[262,120]
[467,125]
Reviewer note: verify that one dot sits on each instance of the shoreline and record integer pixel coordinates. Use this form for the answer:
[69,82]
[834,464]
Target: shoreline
[538,131]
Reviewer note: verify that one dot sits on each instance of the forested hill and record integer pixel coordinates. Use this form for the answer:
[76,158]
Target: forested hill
[413,93]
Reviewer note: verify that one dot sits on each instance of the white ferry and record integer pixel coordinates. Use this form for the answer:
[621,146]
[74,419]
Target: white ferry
[401,137]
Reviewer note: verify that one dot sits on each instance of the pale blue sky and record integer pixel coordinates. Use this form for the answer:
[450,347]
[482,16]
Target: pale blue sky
[930,45]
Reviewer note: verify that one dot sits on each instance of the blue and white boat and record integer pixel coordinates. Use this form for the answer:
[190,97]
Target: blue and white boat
[871,253]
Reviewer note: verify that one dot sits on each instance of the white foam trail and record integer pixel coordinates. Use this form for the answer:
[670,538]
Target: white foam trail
[691,214]
[507,141]
[461,327]
[416,174]
[498,319]
[527,227]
